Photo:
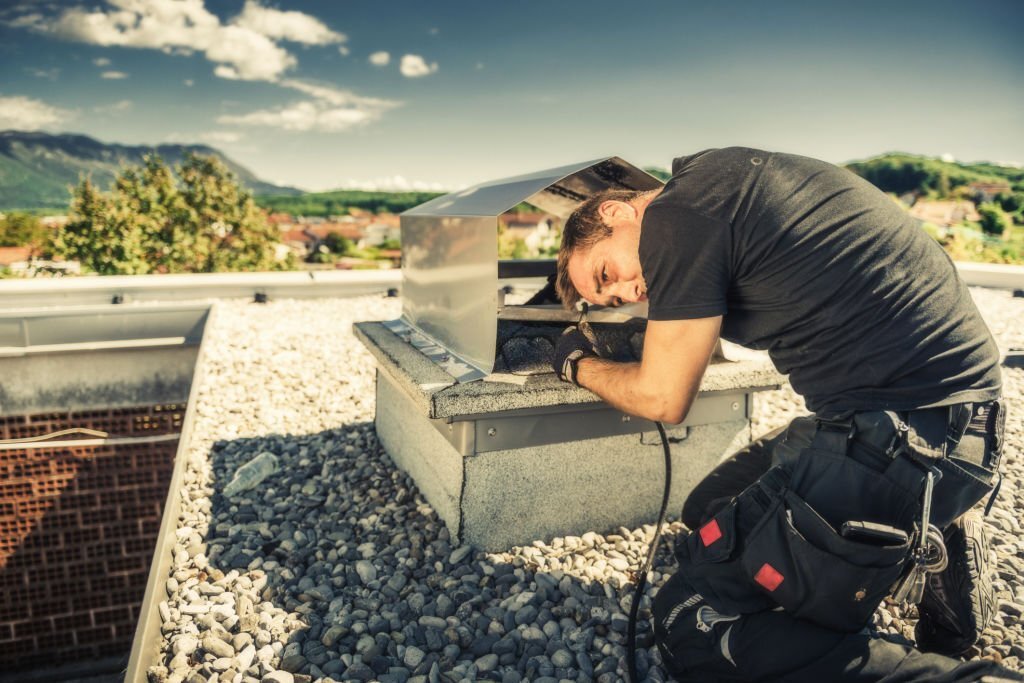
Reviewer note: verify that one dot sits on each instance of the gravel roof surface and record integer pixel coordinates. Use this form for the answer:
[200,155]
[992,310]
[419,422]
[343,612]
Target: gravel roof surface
[335,568]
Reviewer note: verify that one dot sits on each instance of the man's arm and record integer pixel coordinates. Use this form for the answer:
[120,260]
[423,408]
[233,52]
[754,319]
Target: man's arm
[661,387]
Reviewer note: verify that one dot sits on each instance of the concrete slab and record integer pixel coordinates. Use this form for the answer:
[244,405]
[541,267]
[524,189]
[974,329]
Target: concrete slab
[517,496]
[442,397]
[506,464]
[497,499]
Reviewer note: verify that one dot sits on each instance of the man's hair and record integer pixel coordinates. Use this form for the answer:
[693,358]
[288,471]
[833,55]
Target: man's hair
[583,229]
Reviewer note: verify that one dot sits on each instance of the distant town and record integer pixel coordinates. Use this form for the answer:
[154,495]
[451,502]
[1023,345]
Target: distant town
[976,211]
[356,240]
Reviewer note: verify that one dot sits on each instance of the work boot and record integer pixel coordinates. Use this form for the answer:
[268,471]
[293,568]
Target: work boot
[959,602]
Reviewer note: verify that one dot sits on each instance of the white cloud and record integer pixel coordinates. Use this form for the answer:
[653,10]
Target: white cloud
[434,31]
[344,51]
[306,116]
[391,184]
[221,136]
[25,113]
[49,74]
[115,108]
[286,25]
[336,96]
[114,75]
[414,66]
[380,58]
[479,66]
[33,20]
[188,82]
[244,48]
[332,110]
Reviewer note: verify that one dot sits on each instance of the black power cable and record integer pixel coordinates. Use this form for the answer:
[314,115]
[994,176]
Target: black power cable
[641,582]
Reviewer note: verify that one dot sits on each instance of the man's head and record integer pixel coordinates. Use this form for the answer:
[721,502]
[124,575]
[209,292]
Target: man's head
[599,259]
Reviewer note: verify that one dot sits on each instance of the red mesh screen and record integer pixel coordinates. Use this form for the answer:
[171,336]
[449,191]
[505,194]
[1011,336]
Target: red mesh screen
[77,531]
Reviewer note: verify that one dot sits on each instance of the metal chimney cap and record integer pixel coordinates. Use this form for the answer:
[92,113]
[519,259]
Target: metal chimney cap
[557,191]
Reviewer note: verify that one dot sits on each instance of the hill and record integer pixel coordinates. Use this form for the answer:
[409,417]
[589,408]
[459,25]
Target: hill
[37,168]
[899,173]
[338,202]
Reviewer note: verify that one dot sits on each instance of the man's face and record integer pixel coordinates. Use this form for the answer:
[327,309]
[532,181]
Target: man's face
[608,273]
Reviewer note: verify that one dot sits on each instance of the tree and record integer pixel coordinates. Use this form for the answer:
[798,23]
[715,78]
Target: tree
[994,220]
[197,220]
[23,230]
[337,244]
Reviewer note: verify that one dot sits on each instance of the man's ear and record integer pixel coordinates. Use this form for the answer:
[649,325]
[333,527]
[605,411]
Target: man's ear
[613,211]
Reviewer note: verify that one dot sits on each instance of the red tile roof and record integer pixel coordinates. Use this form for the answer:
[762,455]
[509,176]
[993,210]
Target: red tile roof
[9,255]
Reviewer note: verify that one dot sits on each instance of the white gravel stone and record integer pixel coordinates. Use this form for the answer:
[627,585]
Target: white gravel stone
[367,572]
[339,548]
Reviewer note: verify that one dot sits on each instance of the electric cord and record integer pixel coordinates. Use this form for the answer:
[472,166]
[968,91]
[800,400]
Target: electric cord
[641,582]
[53,435]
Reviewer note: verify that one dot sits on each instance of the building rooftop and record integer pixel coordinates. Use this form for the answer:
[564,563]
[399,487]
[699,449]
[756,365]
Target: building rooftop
[335,568]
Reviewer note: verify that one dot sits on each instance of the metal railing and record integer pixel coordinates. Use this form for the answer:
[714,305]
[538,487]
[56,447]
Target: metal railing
[91,290]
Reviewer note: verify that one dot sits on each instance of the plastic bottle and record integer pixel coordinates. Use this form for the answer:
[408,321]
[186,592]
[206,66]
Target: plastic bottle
[250,474]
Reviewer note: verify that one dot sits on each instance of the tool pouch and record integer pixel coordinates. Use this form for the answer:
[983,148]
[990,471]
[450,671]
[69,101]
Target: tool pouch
[796,556]
[777,544]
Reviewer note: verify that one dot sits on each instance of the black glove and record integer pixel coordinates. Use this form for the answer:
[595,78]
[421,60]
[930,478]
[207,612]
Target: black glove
[571,346]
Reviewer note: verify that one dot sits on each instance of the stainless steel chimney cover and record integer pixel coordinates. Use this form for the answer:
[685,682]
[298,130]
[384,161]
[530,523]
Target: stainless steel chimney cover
[450,256]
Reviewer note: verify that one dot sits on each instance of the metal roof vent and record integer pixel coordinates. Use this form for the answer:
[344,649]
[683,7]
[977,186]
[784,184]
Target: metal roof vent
[451,303]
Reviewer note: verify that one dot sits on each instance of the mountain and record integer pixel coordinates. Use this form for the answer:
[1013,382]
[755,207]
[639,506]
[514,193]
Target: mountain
[36,168]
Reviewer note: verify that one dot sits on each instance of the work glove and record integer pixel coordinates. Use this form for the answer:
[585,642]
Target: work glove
[571,346]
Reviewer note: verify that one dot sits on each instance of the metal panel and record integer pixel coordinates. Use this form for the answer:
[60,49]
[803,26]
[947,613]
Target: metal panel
[519,268]
[101,324]
[146,643]
[450,289]
[557,190]
[526,428]
[450,251]
[31,293]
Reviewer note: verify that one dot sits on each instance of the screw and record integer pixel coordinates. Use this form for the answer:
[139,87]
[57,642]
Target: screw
[492,431]
[625,418]
[735,405]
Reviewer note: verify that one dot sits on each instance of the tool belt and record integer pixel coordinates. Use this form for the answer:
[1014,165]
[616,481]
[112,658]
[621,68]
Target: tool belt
[778,543]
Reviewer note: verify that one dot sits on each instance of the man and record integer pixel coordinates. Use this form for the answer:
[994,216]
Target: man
[801,534]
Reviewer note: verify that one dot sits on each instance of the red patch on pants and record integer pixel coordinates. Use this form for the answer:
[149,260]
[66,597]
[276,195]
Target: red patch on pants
[710,532]
[769,577]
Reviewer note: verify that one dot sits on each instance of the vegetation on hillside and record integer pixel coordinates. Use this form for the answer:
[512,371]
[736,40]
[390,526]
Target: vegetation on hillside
[902,173]
[20,229]
[338,202]
[998,235]
[195,218]
[659,173]
[38,169]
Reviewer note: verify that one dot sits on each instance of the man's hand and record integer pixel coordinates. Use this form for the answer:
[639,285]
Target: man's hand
[664,384]
[570,348]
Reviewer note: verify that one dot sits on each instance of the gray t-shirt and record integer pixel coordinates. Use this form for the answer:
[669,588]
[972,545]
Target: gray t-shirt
[847,293]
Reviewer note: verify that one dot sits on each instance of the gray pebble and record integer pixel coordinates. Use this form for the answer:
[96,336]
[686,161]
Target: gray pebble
[413,657]
[487,663]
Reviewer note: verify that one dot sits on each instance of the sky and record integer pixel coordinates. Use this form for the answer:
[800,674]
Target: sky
[406,94]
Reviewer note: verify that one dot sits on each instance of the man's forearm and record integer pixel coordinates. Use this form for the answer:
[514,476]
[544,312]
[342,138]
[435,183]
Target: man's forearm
[624,386]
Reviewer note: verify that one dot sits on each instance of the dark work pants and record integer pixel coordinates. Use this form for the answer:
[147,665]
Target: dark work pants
[702,645]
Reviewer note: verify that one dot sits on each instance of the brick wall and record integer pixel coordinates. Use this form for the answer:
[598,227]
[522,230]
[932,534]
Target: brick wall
[77,530]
